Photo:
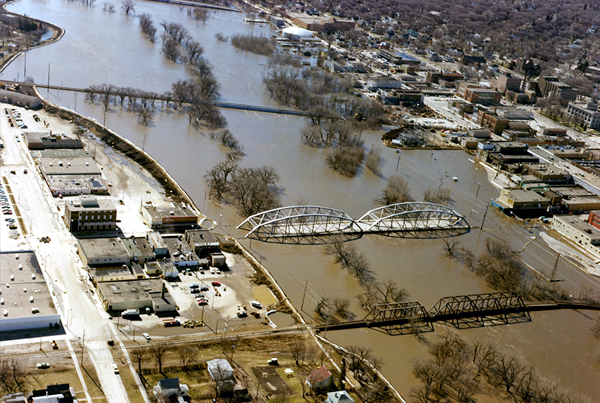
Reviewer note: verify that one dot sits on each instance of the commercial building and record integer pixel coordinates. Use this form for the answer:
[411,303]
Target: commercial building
[88,213]
[549,85]
[588,114]
[66,185]
[102,251]
[520,199]
[548,173]
[136,294]
[318,23]
[47,140]
[506,82]
[25,301]
[158,245]
[139,249]
[202,241]
[69,166]
[169,216]
[181,253]
[578,231]
[15,98]
[484,96]
[398,58]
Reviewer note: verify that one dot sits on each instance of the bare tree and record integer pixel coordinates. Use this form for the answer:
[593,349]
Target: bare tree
[187,355]
[298,349]
[147,27]
[158,351]
[395,191]
[138,355]
[218,177]
[452,244]
[373,161]
[128,6]
[13,378]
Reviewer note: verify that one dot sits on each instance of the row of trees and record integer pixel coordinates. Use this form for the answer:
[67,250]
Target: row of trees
[502,270]
[458,371]
[321,94]
[251,190]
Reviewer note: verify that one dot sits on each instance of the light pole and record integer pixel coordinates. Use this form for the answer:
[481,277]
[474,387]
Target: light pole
[220,216]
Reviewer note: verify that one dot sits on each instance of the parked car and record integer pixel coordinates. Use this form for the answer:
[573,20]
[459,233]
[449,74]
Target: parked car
[115,369]
[202,301]
[255,314]
[204,288]
[256,304]
[216,284]
[43,365]
[146,336]
[242,314]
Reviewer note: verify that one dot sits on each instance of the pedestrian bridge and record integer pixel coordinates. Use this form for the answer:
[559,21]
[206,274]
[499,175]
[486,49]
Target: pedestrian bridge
[312,221]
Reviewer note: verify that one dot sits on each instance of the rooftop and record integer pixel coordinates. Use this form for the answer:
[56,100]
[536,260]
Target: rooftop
[28,282]
[69,166]
[128,290]
[580,223]
[100,247]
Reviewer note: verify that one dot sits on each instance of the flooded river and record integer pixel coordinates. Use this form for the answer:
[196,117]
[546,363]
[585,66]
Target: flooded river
[101,47]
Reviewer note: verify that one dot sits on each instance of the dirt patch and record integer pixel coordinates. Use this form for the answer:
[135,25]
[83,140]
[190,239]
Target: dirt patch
[271,381]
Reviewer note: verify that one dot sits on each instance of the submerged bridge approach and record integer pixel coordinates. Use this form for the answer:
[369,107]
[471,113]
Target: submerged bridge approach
[310,221]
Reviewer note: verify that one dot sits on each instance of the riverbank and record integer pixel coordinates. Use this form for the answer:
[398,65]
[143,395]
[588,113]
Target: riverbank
[57,34]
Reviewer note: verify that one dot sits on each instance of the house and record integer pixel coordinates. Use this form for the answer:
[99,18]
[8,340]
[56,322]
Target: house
[54,394]
[172,389]
[340,396]
[320,378]
[222,373]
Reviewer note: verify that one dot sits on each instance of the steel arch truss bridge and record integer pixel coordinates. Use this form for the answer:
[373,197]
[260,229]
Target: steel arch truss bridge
[300,222]
[399,318]
[414,216]
[478,310]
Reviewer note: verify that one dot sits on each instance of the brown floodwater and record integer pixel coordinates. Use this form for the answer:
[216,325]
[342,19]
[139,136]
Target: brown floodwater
[101,47]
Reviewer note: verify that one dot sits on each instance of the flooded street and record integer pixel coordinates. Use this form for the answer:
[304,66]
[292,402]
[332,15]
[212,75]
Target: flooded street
[100,47]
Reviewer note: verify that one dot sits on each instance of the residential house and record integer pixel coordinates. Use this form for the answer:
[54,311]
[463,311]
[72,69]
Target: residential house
[341,396]
[320,378]
[171,389]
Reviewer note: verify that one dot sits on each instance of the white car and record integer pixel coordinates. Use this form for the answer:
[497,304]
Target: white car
[212,270]
[146,336]
[115,369]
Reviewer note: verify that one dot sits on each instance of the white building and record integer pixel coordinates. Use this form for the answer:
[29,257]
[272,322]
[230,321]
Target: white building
[578,231]
[589,114]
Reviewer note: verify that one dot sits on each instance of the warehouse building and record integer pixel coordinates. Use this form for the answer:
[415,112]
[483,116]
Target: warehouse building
[25,300]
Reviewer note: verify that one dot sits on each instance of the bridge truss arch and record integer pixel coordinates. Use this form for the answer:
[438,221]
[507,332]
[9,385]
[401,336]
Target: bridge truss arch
[411,216]
[298,221]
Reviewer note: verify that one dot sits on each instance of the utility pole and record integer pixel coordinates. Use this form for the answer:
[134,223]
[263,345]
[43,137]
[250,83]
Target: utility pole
[82,347]
[303,296]
[477,194]
[48,88]
[398,164]
[553,276]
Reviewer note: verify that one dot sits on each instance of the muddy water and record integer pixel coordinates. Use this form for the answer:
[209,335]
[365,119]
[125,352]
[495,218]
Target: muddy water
[93,51]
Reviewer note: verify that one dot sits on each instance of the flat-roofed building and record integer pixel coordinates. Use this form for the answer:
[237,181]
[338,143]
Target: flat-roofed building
[578,231]
[66,185]
[548,173]
[102,251]
[506,82]
[202,241]
[159,247]
[69,166]
[139,249]
[135,294]
[549,85]
[47,140]
[159,217]
[588,114]
[24,295]
[88,213]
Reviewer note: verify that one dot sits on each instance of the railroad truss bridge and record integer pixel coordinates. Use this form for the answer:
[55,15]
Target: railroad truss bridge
[461,312]
[305,224]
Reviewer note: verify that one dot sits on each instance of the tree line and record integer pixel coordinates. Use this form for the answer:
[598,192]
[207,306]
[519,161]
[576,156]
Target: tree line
[458,371]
